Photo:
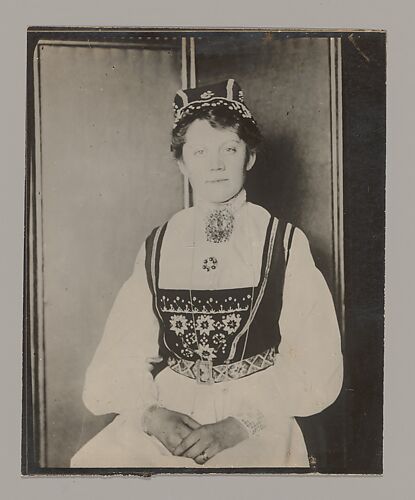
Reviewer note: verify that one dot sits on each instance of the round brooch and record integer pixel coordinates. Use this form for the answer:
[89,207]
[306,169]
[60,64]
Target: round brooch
[210,264]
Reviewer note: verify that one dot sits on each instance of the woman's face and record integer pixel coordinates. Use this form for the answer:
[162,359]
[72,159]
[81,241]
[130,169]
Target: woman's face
[215,161]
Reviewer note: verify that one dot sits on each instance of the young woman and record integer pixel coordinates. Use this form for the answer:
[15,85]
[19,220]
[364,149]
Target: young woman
[225,331]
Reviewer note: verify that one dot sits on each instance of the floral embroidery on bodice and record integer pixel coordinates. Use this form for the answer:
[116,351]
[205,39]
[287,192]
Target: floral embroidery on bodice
[203,324]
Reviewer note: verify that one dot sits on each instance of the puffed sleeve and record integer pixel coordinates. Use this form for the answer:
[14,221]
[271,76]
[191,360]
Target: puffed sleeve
[119,379]
[308,373]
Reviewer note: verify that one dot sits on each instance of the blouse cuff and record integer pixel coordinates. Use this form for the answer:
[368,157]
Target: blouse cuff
[253,421]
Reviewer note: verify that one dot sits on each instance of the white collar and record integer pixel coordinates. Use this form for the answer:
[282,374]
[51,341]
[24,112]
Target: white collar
[233,205]
[218,219]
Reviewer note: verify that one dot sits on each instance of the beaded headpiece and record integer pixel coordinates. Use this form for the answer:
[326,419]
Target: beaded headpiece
[227,94]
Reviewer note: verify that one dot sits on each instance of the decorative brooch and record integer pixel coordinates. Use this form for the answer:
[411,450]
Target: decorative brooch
[210,264]
[219,225]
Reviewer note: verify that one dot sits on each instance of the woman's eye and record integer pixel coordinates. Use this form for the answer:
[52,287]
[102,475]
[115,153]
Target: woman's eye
[230,149]
[199,152]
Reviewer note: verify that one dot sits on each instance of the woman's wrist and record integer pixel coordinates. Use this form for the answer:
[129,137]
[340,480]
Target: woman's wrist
[147,418]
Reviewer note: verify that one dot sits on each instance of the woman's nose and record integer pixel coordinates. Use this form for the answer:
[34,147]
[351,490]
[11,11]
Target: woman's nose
[216,162]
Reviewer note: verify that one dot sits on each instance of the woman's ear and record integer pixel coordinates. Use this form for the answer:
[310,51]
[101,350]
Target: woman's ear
[251,160]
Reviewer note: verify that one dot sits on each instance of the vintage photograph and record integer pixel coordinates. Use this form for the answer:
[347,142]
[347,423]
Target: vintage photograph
[204,251]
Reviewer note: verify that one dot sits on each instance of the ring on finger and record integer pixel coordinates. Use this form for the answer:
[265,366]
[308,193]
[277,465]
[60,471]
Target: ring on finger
[204,456]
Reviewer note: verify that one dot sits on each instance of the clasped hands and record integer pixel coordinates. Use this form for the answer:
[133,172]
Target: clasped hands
[185,437]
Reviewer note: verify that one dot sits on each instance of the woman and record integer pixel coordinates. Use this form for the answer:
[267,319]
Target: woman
[226,330]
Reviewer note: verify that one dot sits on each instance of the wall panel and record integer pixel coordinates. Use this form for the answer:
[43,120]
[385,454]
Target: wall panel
[108,179]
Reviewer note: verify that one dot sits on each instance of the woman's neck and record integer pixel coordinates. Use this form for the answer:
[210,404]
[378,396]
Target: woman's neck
[233,205]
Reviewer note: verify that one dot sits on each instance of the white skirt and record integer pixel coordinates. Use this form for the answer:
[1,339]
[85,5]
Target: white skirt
[280,444]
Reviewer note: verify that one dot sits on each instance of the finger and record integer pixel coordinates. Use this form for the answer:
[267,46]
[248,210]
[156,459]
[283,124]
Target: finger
[170,441]
[182,430]
[207,454]
[196,450]
[187,442]
[190,422]
[213,450]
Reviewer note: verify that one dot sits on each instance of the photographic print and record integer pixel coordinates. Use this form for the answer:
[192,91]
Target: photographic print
[204,251]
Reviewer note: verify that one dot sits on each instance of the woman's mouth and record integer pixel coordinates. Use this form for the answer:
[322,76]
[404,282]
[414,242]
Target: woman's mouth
[214,181]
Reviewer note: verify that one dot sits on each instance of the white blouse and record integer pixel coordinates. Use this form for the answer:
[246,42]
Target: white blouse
[308,371]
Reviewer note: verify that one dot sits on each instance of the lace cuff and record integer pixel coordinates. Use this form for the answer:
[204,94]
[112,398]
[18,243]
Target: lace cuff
[253,421]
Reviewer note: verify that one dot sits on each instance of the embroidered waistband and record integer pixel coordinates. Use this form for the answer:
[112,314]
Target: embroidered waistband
[204,372]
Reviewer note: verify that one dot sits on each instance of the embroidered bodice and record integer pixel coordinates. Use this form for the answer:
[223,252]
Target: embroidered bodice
[222,325]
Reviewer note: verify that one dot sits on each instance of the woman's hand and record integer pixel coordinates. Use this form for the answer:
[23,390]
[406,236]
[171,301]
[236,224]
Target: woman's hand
[169,427]
[208,440]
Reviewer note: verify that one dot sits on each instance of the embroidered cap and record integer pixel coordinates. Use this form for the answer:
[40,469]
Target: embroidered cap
[226,94]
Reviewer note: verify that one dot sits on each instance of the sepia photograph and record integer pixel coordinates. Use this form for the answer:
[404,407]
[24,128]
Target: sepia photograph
[204,251]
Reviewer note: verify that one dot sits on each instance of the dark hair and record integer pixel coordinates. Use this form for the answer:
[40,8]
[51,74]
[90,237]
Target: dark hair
[218,117]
